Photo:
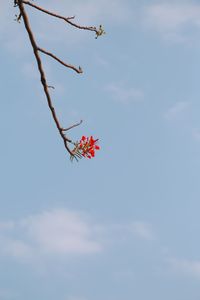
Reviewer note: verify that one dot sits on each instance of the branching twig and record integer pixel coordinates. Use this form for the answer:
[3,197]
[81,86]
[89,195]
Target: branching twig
[77,70]
[68,20]
[36,50]
[75,125]
[66,140]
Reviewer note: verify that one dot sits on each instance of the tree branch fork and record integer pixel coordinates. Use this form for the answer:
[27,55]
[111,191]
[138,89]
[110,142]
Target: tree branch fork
[37,50]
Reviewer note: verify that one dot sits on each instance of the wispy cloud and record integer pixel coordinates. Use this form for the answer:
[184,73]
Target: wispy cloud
[131,231]
[57,232]
[62,233]
[186,267]
[173,19]
[177,111]
[124,94]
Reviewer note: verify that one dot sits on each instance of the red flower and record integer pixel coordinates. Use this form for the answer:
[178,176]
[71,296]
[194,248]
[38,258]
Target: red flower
[83,138]
[87,146]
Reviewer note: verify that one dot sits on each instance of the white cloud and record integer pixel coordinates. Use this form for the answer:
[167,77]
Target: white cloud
[177,110]
[173,20]
[186,267]
[130,231]
[62,233]
[56,232]
[124,94]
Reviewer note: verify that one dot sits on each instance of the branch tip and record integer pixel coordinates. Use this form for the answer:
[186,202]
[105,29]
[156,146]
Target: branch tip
[100,31]
[66,19]
[79,70]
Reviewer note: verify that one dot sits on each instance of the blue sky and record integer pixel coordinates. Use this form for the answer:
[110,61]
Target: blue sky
[124,225]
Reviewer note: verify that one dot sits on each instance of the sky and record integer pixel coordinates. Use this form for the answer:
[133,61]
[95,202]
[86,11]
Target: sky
[124,225]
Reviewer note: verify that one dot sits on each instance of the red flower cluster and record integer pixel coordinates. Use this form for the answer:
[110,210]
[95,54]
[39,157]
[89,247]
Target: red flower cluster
[87,146]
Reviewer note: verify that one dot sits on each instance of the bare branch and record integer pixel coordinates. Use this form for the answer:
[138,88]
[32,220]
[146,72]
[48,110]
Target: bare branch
[66,140]
[79,70]
[75,125]
[68,20]
[74,153]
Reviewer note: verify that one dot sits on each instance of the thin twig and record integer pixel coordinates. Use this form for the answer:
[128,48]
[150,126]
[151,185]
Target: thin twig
[68,20]
[77,70]
[75,125]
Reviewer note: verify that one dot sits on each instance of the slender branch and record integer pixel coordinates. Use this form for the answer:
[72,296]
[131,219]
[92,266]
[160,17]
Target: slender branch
[68,20]
[77,70]
[66,140]
[36,50]
[75,125]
